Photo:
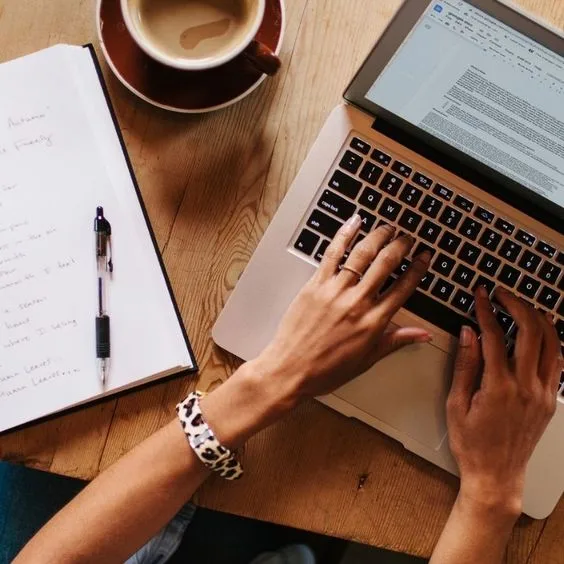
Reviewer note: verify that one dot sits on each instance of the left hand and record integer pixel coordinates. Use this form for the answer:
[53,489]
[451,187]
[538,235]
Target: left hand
[337,327]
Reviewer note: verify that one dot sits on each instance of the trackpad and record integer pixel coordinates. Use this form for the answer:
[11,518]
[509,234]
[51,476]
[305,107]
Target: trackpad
[407,391]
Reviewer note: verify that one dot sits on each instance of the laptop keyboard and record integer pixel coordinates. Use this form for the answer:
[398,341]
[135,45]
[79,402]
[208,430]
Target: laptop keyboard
[471,244]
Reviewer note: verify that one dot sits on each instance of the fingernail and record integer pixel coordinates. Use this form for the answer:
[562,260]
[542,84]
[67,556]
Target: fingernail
[423,339]
[550,317]
[465,336]
[353,222]
[388,227]
[502,290]
[409,238]
[425,257]
[482,292]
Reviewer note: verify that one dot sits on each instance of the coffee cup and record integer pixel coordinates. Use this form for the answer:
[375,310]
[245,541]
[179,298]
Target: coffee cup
[196,35]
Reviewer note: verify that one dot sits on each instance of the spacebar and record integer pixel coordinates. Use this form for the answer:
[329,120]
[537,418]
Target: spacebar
[436,313]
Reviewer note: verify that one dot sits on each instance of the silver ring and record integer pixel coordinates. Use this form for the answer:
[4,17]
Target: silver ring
[354,271]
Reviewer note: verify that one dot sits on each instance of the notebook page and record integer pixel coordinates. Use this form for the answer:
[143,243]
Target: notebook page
[109,146]
[51,179]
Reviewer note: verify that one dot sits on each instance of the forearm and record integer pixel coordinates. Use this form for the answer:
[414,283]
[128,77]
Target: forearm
[136,497]
[475,532]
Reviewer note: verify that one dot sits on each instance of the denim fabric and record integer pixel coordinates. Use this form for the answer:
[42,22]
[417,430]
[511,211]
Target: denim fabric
[161,548]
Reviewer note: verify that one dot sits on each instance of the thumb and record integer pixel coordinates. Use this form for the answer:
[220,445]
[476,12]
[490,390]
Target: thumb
[396,339]
[466,370]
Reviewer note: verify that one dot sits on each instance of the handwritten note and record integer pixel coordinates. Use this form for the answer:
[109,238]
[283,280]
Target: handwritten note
[59,159]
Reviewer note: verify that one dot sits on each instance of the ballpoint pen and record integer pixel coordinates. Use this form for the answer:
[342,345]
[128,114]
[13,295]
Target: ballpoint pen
[104,265]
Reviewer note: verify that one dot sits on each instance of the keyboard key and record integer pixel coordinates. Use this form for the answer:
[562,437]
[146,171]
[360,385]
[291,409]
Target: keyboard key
[425,284]
[529,261]
[324,224]
[560,329]
[443,192]
[360,146]
[470,228]
[381,157]
[422,180]
[442,290]
[431,206]
[545,249]
[345,184]
[390,209]
[490,240]
[526,238]
[510,250]
[463,301]
[430,231]
[469,254]
[463,203]
[370,199]
[450,217]
[548,297]
[505,321]
[489,265]
[391,184]
[410,220]
[549,272]
[306,242]
[484,282]
[371,173]
[509,276]
[403,267]
[390,281]
[335,205]
[351,162]
[484,215]
[437,313]
[421,248]
[529,286]
[560,258]
[319,254]
[463,276]
[444,265]
[505,226]
[411,195]
[368,220]
[449,242]
[402,169]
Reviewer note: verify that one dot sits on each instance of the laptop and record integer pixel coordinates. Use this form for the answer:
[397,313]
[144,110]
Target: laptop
[452,130]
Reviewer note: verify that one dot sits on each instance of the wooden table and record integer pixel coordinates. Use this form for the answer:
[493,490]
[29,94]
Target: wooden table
[211,184]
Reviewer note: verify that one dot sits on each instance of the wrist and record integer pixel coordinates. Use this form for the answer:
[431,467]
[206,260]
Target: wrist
[249,401]
[499,504]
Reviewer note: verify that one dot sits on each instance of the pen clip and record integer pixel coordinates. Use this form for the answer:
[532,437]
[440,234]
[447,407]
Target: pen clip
[103,230]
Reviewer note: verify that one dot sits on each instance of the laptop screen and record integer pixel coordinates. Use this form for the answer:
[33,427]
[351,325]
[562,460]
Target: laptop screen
[483,88]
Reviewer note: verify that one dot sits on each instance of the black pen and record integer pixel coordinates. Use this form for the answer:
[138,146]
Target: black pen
[104,265]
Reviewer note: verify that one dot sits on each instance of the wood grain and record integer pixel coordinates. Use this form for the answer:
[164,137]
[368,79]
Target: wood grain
[212,184]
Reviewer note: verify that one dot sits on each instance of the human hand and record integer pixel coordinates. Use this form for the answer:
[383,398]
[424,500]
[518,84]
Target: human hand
[336,328]
[497,414]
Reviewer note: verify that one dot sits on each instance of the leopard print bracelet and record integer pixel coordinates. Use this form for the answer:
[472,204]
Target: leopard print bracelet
[201,438]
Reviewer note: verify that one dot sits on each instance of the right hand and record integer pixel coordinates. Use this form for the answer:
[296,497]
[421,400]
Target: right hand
[497,414]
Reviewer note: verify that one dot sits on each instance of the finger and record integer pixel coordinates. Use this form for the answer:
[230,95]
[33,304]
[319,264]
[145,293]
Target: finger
[384,264]
[466,373]
[401,291]
[528,343]
[396,339]
[493,338]
[364,253]
[336,250]
[550,367]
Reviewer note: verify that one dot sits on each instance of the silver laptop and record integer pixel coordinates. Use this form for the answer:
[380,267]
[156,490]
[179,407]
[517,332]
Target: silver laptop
[453,130]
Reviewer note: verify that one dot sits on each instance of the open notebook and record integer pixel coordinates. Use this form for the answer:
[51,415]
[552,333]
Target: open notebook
[61,156]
